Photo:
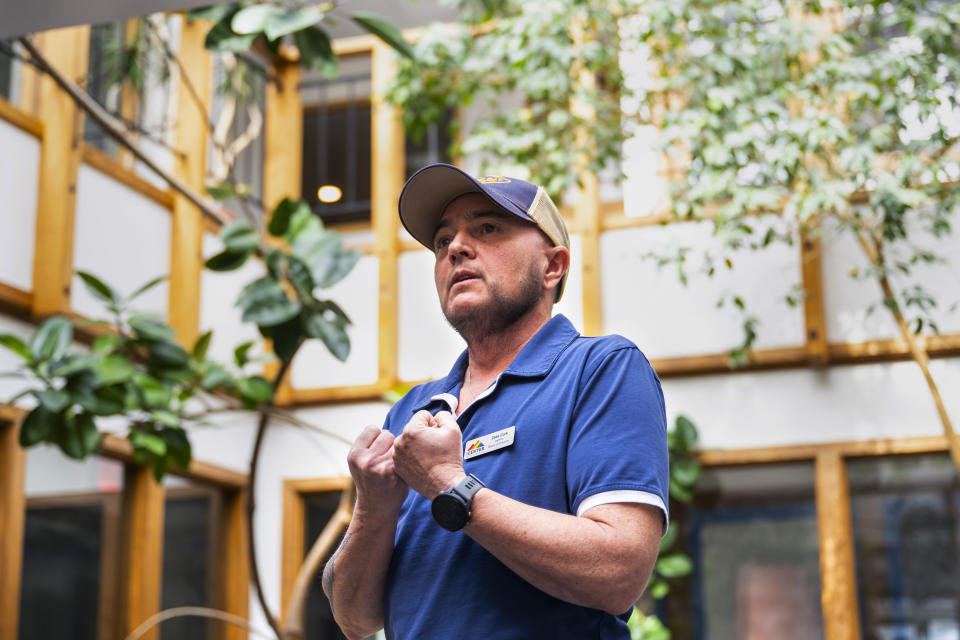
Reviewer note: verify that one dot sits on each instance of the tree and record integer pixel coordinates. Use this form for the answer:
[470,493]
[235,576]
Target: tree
[135,369]
[838,118]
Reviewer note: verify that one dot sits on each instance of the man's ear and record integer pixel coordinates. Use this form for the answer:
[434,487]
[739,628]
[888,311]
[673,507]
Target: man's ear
[558,262]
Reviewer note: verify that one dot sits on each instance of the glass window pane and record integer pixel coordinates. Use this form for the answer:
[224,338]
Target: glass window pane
[70,555]
[188,557]
[319,623]
[752,536]
[906,527]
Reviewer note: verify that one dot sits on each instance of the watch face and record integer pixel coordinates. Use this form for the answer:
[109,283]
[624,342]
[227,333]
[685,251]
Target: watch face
[449,512]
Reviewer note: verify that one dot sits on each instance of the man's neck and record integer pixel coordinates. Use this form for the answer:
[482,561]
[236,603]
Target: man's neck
[492,353]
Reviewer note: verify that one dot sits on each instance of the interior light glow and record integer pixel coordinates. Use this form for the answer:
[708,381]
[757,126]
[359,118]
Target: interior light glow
[329,193]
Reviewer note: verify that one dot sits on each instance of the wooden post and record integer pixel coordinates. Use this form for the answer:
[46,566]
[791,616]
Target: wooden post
[66,49]
[233,562]
[186,238]
[838,581]
[143,502]
[282,159]
[387,152]
[587,204]
[813,304]
[12,514]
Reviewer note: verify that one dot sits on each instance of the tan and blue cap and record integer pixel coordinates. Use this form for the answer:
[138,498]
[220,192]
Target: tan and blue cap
[427,193]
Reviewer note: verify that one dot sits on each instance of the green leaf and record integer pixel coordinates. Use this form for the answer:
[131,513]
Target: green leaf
[380,27]
[315,50]
[685,434]
[150,326]
[15,344]
[299,275]
[228,260]
[215,378]
[213,13]
[71,440]
[253,19]
[51,340]
[278,25]
[270,312]
[167,354]
[332,334]
[72,364]
[221,192]
[239,237]
[108,343]
[680,492]
[178,446]
[38,426]
[280,219]
[146,287]
[265,288]
[98,288]
[337,268]
[53,400]
[87,433]
[669,537]
[222,38]
[164,417]
[659,589]
[113,369]
[674,565]
[287,338]
[685,472]
[240,353]
[254,390]
[201,346]
[153,392]
[148,442]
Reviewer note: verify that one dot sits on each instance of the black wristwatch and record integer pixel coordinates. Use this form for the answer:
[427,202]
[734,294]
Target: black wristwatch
[451,508]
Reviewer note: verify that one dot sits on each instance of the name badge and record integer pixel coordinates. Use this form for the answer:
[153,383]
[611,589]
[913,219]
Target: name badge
[488,443]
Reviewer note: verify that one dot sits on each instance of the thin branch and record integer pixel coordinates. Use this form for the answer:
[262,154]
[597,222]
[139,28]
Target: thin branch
[199,612]
[251,504]
[109,124]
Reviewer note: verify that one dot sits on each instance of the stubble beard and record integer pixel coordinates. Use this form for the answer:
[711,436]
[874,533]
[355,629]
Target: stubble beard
[501,313]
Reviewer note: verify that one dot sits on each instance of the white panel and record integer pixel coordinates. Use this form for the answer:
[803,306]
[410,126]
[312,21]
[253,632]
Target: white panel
[848,299]
[571,304]
[428,345]
[807,406]
[357,295]
[218,311]
[650,306]
[50,472]
[121,237]
[18,184]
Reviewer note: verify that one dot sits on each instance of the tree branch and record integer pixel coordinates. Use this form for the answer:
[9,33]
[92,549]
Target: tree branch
[201,612]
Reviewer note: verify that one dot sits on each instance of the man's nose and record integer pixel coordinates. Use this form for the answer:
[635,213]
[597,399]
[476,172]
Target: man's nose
[460,245]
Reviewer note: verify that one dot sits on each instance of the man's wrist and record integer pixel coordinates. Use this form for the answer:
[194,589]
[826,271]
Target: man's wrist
[446,479]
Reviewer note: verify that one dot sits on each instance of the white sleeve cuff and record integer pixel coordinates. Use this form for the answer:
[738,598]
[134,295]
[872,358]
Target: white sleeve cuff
[621,496]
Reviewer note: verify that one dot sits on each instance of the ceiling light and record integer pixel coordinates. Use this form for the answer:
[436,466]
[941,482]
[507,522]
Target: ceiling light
[329,193]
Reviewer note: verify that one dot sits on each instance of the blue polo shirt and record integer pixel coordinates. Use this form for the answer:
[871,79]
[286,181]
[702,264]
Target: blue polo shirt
[589,428]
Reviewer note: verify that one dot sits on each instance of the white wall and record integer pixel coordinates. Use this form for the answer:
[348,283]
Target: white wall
[20,158]
[121,237]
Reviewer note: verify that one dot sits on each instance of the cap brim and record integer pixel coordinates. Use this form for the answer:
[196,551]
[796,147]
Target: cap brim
[428,192]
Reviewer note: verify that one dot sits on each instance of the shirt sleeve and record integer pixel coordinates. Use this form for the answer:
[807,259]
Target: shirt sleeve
[617,448]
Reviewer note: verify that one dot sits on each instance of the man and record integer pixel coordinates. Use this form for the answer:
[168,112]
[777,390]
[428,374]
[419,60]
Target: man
[555,531]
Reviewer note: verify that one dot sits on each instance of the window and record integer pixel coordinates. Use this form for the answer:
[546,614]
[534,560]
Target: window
[8,68]
[906,528]
[752,536]
[103,77]
[319,623]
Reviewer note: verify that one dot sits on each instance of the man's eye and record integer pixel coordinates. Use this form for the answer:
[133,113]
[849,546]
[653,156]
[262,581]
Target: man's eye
[488,228]
[441,243]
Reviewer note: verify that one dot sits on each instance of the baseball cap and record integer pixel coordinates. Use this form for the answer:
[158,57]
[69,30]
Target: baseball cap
[428,192]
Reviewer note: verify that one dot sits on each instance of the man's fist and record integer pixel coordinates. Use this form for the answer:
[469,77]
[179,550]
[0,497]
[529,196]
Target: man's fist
[379,488]
[429,453]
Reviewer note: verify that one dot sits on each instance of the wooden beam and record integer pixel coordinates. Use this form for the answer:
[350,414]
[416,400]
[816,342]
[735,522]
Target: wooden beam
[282,161]
[322,395]
[12,514]
[815,321]
[142,545]
[119,448]
[587,202]
[186,238]
[234,582]
[66,49]
[93,157]
[846,449]
[21,119]
[838,593]
[387,152]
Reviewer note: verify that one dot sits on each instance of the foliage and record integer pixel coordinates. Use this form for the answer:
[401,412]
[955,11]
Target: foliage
[841,120]
[238,26]
[136,370]
[528,58]
[671,563]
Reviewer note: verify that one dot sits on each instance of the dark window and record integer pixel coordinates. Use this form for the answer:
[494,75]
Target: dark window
[188,571]
[319,623]
[103,75]
[65,567]
[752,537]
[906,528]
[6,69]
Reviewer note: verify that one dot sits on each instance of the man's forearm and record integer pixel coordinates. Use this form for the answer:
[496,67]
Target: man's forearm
[355,575]
[602,561]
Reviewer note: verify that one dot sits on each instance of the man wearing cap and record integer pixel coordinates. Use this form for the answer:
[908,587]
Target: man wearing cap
[538,466]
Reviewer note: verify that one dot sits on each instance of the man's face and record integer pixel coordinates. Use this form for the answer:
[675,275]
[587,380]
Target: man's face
[489,267]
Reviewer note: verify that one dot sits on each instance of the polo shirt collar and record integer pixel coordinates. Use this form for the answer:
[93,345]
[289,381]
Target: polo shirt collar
[535,359]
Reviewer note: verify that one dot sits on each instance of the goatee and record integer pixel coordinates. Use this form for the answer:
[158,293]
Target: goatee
[502,312]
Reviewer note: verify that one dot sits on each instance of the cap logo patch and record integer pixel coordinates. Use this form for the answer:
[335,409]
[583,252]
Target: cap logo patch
[493,180]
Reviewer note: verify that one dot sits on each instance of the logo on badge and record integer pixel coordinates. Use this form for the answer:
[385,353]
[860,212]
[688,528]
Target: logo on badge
[490,442]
